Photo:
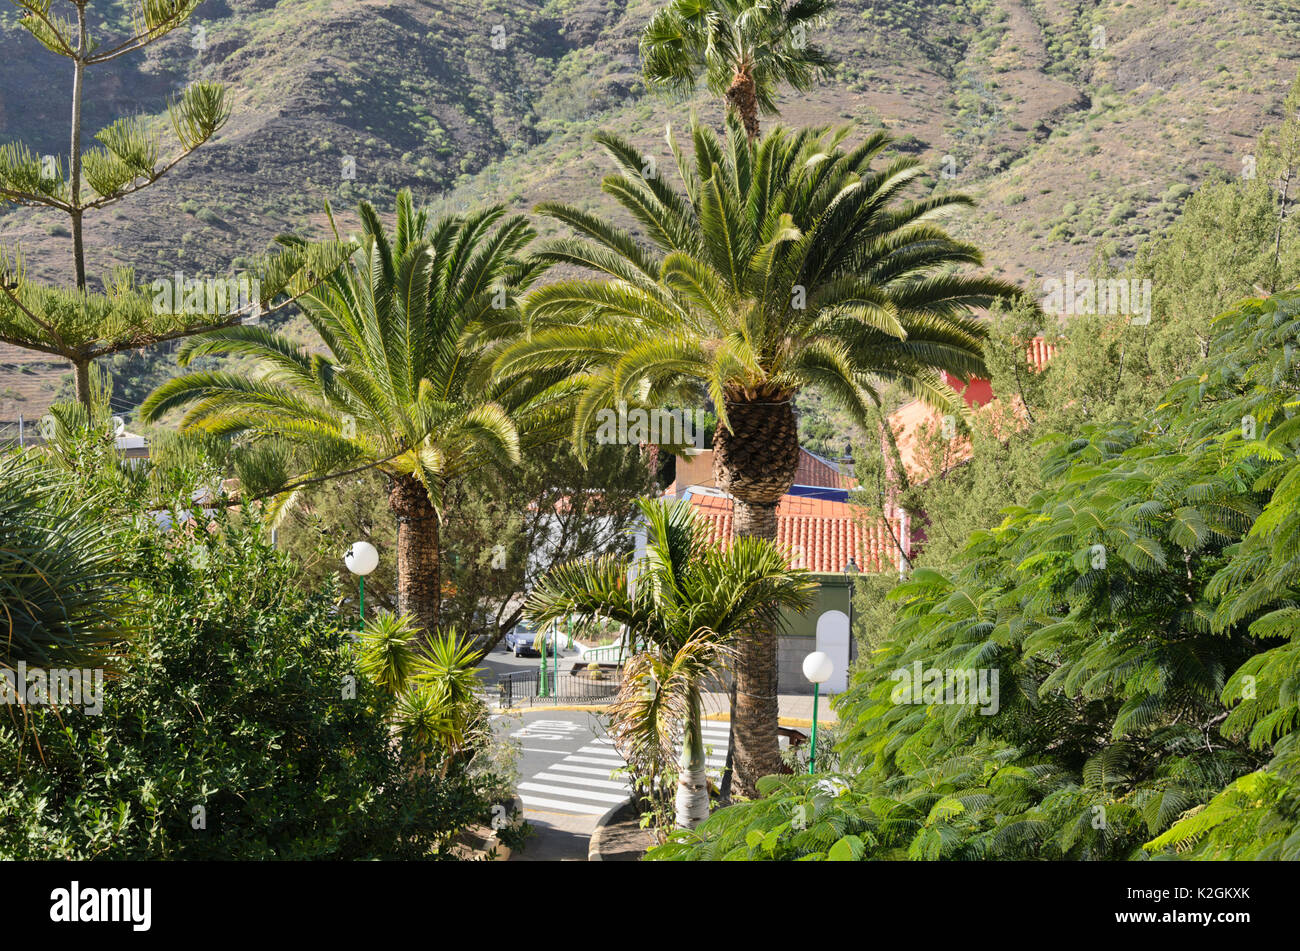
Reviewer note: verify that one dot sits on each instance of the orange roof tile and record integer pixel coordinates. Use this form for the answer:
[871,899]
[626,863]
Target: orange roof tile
[815,534]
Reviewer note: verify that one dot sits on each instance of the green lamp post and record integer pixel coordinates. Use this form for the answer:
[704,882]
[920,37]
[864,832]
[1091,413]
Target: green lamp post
[817,667]
[361,559]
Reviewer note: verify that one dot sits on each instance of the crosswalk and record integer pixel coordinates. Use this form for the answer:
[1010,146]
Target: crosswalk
[584,782]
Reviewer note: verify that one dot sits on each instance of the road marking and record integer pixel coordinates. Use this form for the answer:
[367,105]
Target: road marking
[583,781]
[566,791]
[586,781]
[568,807]
[589,770]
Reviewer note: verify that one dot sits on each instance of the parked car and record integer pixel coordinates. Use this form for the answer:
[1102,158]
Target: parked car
[520,639]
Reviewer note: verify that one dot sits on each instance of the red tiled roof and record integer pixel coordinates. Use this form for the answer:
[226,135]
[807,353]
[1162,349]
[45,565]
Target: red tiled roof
[815,534]
[813,470]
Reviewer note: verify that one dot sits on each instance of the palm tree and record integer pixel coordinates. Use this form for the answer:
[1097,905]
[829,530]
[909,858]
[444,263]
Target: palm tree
[779,265]
[404,323]
[744,48]
[683,606]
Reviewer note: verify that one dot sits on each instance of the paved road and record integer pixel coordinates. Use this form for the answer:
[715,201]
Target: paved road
[567,778]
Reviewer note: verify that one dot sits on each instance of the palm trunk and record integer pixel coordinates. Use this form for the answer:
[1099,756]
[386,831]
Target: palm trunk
[756,461]
[692,776]
[742,95]
[757,742]
[418,578]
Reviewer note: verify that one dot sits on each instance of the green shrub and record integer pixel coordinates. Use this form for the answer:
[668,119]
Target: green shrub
[237,728]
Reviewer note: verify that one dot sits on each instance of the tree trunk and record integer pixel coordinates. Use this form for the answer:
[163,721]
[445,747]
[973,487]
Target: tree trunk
[81,373]
[755,736]
[74,148]
[756,461]
[692,776]
[742,95]
[418,579]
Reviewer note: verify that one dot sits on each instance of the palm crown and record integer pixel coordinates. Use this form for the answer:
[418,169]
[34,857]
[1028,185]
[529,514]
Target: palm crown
[393,387]
[743,48]
[774,267]
[404,324]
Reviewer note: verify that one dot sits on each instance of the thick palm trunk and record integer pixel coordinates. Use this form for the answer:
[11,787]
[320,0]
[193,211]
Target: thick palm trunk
[756,462]
[418,581]
[742,95]
[692,777]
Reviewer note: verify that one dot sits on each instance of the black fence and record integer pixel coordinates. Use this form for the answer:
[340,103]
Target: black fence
[527,687]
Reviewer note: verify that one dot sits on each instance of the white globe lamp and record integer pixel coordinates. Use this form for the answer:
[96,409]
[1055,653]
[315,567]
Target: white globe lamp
[817,667]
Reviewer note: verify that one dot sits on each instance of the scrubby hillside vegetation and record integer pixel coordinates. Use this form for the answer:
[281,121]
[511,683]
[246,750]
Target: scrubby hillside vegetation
[1076,125]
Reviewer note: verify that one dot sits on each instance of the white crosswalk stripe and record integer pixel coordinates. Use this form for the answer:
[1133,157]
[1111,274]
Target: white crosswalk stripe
[584,782]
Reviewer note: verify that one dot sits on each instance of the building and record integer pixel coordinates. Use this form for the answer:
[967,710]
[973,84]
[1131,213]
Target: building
[819,531]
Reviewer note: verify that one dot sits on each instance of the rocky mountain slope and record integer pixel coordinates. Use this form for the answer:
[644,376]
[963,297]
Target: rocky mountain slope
[1077,124]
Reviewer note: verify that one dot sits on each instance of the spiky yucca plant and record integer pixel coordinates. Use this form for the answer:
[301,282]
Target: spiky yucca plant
[63,576]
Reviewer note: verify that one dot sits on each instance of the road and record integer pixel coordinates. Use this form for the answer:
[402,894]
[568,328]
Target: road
[566,776]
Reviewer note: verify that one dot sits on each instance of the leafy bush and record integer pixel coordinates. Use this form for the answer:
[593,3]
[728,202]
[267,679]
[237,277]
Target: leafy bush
[236,728]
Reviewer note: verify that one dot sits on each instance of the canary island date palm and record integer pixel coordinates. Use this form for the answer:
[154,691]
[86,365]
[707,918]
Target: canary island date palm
[743,49]
[684,605]
[404,324]
[776,265]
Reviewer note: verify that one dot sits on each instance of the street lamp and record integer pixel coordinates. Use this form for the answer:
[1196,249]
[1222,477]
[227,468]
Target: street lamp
[817,667]
[361,559]
[851,571]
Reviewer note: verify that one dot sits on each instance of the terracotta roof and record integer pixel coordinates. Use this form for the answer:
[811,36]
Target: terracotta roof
[815,534]
[815,470]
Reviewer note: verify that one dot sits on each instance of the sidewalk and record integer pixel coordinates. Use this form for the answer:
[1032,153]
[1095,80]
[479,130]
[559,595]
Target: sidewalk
[794,709]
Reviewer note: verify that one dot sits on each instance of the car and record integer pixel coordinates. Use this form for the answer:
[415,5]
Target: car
[520,639]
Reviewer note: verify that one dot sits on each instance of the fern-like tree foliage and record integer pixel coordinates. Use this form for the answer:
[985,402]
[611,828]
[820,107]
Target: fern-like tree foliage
[743,50]
[1141,615]
[132,153]
[775,265]
[683,606]
[406,328]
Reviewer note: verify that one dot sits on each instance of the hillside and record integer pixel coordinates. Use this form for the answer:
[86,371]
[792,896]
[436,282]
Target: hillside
[1076,124]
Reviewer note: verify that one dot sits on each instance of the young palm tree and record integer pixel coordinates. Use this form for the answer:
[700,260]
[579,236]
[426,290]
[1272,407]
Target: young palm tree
[778,265]
[682,606]
[744,48]
[404,324]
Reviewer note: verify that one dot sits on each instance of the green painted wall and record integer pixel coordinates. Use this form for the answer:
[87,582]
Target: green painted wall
[832,595]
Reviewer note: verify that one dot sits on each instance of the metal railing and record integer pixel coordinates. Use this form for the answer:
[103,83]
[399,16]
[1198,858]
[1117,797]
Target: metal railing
[528,687]
[615,654]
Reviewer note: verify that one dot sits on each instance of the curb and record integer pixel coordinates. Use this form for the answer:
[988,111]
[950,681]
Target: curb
[782,721]
[593,844]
